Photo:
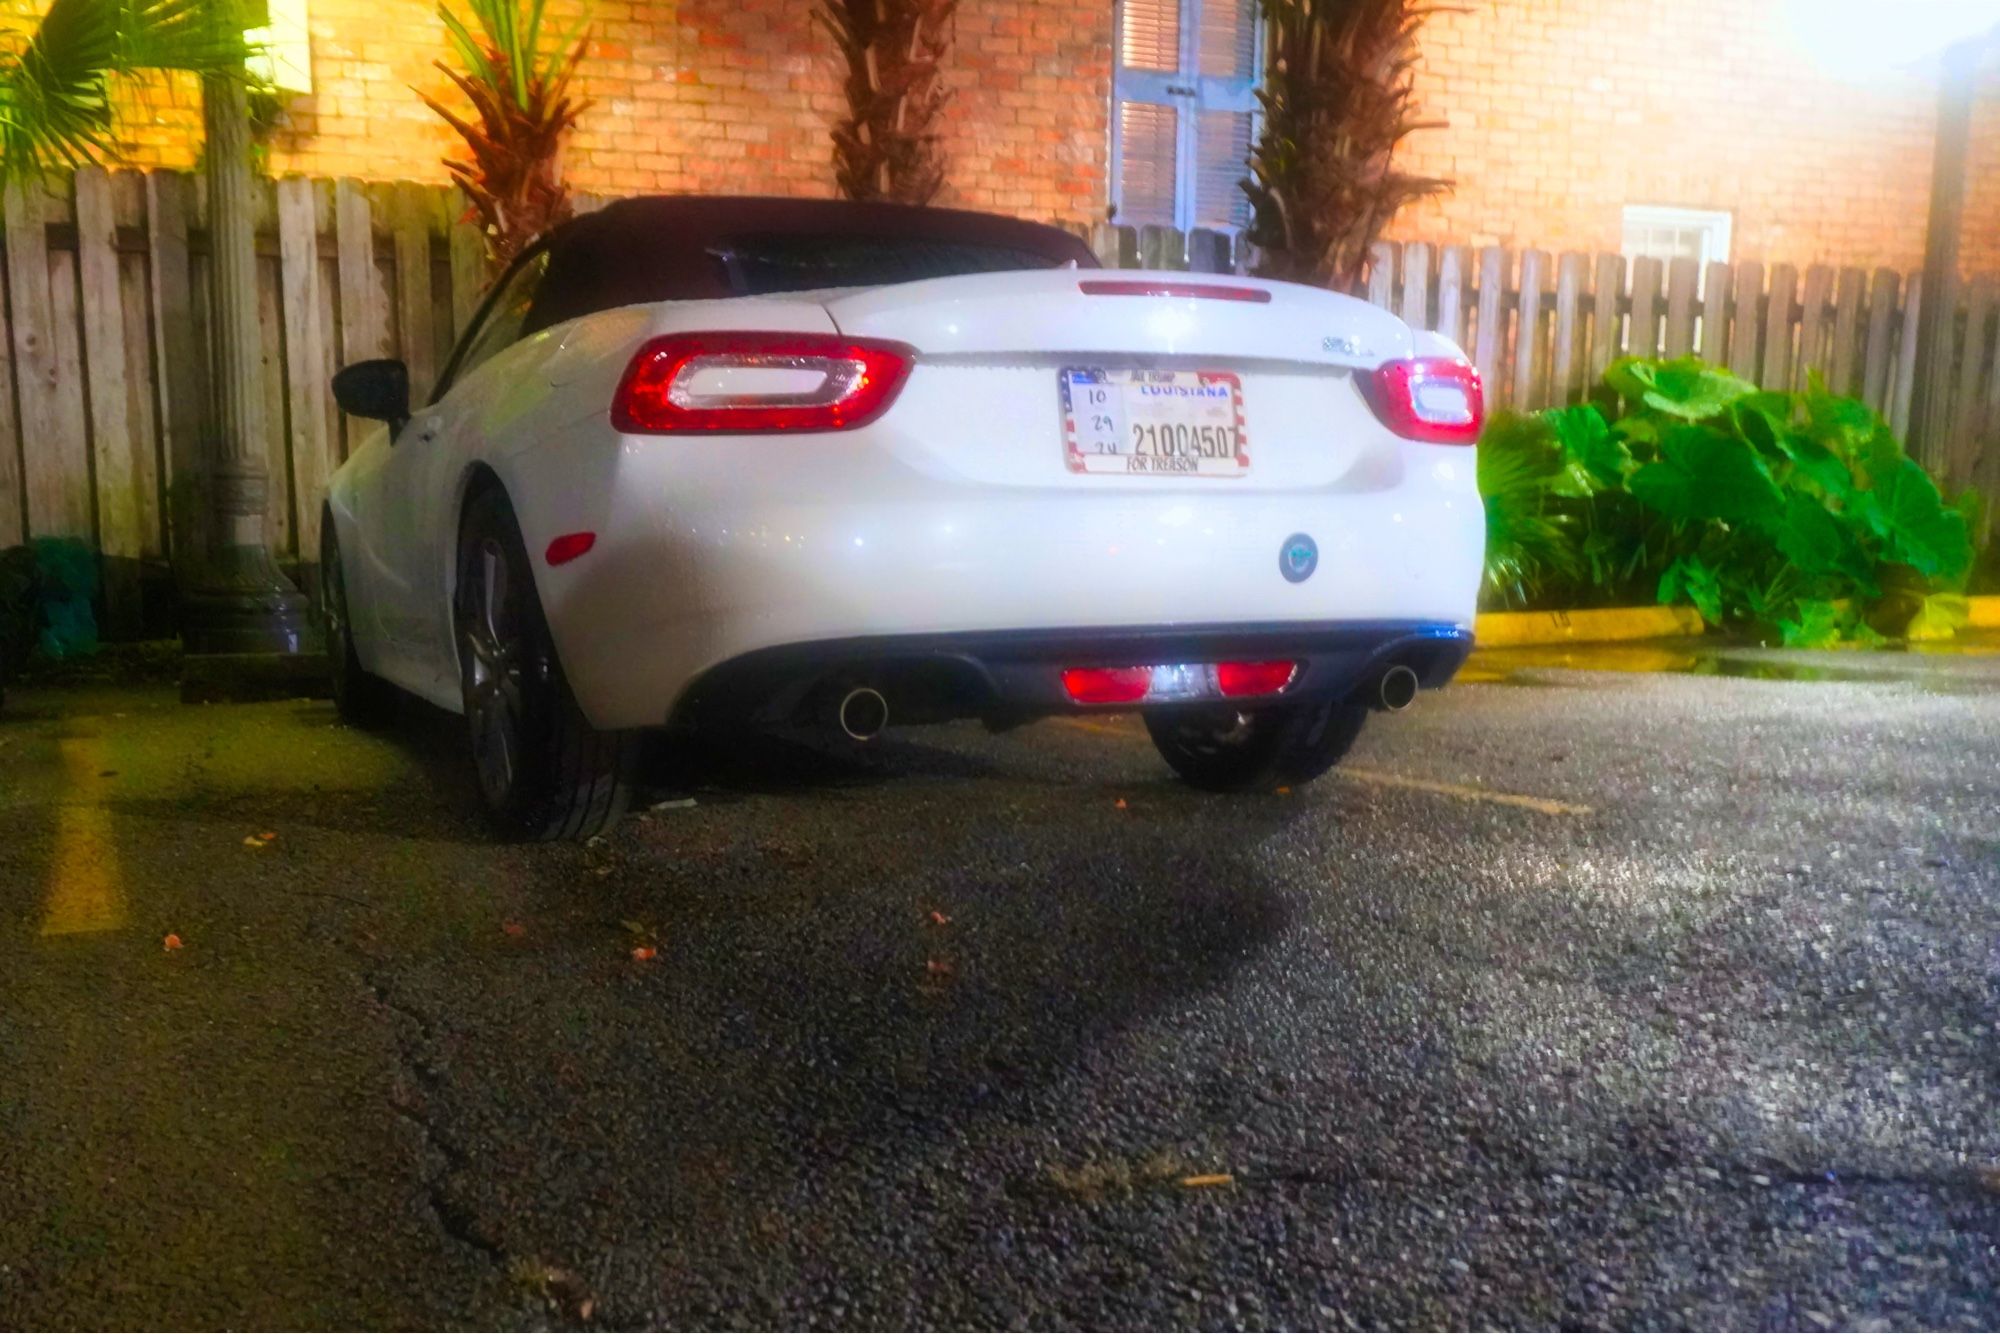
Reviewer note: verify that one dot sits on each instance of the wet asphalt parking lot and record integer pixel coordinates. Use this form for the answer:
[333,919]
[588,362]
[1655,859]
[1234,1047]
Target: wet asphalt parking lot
[1581,997]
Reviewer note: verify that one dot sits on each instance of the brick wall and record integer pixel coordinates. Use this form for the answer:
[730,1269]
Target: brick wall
[1560,112]
[694,95]
[1563,111]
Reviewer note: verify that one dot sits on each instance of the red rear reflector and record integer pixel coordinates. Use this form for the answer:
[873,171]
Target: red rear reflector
[1238,679]
[1169,287]
[761,383]
[1435,400]
[569,546]
[1107,685]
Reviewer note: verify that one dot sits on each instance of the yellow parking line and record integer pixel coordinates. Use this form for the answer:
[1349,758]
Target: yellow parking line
[1101,728]
[1541,805]
[85,890]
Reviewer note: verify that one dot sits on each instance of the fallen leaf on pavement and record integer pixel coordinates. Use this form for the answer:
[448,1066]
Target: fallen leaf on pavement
[939,919]
[1284,792]
[1208,1179]
[1121,804]
[643,952]
[514,929]
[172,942]
[253,841]
[677,804]
[268,838]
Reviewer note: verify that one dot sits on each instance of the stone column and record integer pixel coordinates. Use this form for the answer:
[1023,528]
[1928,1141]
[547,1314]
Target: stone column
[238,600]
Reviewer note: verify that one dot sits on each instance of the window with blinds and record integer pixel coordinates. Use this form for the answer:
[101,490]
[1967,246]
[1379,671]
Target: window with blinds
[1186,112]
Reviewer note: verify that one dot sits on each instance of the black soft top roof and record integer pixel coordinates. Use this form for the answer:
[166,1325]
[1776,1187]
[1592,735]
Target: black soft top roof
[662,248]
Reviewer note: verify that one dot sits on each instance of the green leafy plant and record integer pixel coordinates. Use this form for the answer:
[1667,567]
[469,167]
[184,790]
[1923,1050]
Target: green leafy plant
[888,145]
[517,78]
[56,85]
[1795,516]
[1338,97]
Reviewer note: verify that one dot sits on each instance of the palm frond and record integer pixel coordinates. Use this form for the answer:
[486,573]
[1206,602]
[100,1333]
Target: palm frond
[55,102]
[518,86]
[201,36]
[55,93]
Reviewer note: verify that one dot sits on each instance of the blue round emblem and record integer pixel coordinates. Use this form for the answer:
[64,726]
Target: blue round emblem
[1298,558]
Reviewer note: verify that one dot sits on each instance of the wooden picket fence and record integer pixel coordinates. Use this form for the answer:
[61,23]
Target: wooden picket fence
[105,385]
[1542,328]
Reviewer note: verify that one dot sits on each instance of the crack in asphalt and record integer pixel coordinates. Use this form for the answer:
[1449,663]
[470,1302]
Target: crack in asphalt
[457,1219]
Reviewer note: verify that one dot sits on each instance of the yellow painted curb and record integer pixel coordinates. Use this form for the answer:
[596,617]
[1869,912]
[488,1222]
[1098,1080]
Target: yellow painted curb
[1508,629]
[1983,613]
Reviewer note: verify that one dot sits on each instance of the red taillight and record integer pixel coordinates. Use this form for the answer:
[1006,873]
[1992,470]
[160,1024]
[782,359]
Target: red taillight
[568,547]
[1171,287]
[1107,685]
[1239,679]
[757,382]
[1435,400]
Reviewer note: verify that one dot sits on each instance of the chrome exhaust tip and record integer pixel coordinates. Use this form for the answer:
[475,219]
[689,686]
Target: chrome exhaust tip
[864,713]
[1396,690]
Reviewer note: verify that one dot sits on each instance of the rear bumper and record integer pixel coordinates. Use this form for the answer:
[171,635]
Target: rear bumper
[711,552]
[1012,676]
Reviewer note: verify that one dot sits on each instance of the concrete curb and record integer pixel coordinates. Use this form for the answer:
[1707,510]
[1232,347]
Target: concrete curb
[1513,629]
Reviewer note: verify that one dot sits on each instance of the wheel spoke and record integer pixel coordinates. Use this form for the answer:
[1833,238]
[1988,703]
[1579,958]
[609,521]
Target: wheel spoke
[496,695]
[493,604]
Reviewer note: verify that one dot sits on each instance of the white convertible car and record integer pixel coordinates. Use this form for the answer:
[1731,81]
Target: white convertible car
[710,463]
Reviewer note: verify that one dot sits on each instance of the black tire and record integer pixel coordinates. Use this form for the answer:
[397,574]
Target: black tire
[1223,749]
[542,769]
[362,698]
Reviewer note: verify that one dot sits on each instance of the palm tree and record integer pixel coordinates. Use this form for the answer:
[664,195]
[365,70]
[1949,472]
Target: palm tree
[1339,97]
[887,146]
[55,87]
[55,111]
[520,98]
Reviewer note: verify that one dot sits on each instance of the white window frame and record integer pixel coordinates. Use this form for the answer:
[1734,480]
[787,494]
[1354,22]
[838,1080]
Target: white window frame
[1190,94]
[1715,225]
[281,50]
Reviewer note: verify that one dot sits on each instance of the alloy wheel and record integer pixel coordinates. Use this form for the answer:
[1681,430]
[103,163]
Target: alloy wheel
[493,651]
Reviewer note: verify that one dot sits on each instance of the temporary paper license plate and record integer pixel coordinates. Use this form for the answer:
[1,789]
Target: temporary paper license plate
[1164,423]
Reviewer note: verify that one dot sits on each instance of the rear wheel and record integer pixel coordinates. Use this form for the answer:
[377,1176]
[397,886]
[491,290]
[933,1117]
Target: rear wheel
[362,698]
[543,770]
[1223,749]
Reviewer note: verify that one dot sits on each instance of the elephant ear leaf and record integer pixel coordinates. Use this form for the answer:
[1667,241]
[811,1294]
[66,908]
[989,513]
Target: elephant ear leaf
[1908,513]
[1691,578]
[1703,474]
[1763,419]
[1847,424]
[1820,465]
[1940,616]
[1819,625]
[1816,543]
[1589,449]
[1693,390]
[1631,378]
